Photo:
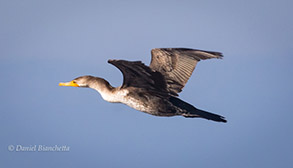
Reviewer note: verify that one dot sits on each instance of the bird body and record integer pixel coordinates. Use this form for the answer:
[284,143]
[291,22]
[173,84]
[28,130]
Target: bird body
[153,89]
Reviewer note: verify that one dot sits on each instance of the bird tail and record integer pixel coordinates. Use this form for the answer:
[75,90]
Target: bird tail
[191,112]
[204,114]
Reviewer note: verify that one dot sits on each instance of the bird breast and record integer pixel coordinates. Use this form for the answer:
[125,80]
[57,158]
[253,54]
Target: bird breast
[122,96]
[116,96]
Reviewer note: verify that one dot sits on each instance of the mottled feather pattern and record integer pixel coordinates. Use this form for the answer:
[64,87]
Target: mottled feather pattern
[177,65]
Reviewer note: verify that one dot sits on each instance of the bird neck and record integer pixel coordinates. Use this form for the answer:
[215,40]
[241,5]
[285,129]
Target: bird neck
[108,92]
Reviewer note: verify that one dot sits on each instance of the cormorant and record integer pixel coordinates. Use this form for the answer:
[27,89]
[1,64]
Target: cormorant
[154,89]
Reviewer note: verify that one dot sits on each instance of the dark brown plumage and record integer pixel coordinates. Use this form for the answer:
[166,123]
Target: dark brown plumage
[177,64]
[154,89]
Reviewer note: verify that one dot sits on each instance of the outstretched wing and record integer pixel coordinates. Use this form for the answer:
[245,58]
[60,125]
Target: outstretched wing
[137,74]
[177,65]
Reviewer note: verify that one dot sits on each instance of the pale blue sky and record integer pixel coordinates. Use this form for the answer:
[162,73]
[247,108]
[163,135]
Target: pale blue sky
[46,42]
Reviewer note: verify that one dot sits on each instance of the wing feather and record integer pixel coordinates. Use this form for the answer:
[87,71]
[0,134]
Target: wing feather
[177,65]
[136,74]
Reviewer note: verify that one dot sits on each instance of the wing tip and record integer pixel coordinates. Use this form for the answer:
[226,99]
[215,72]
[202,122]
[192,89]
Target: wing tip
[110,61]
[218,55]
[213,54]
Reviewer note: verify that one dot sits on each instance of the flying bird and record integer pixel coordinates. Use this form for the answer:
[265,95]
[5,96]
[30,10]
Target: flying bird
[154,89]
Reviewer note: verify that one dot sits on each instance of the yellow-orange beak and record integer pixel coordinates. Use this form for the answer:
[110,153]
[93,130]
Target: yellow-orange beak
[71,83]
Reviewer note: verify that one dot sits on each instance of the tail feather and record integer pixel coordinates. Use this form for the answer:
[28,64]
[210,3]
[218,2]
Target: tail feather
[190,112]
[204,114]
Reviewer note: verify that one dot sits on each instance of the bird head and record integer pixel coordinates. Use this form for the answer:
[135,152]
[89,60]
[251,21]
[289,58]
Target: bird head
[82,81]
